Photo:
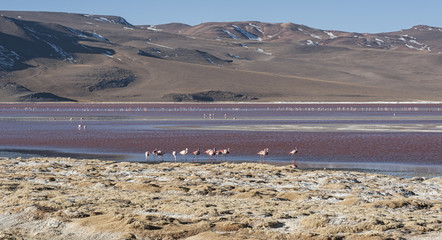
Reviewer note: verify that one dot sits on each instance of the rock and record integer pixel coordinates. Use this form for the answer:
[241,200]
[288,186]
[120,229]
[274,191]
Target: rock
[230,226]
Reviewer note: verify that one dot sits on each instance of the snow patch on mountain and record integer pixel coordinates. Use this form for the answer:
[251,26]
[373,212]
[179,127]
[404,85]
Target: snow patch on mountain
[120,20]
[257,28]
[108,54]
[83,46]
[260,50]
[98,36]
[379,40]
[425,47]
[159,45]
[416,42]
[233,56]
[153,28]
[330,34]
[315,36]
[81,34]
[248,35]
[78,33]
[410,41]
[311,43]
[210,61]
[231,34]
[100,19]
[407,36]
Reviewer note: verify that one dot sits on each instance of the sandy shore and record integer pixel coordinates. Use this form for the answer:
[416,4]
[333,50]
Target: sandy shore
[62,198]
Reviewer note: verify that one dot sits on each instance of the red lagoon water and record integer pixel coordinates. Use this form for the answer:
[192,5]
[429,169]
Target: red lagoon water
[356,134]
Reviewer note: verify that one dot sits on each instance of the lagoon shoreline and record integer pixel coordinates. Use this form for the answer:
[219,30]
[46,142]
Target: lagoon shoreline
[405,170]
[64,198]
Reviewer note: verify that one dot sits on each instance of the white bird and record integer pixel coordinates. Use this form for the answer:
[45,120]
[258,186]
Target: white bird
[293,152]
[184,152]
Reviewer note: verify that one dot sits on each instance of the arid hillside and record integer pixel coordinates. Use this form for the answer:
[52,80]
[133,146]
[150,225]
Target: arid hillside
[47,56]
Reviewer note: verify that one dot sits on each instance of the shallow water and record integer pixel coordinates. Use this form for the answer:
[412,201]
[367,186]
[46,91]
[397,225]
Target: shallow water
[382,137]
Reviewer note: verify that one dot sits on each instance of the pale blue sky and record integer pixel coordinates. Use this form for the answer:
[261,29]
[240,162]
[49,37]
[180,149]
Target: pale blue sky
[348,15]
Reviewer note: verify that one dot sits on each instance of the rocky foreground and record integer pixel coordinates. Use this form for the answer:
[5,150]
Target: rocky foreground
[64,198]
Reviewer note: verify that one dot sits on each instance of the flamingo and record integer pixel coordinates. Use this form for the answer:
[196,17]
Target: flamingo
[184,152]
[147,155]
[262,154]
[158,153]
[293,152]
[218,152]
[224,152]
[211,153]
[196,153]
[154,152]
[174,155]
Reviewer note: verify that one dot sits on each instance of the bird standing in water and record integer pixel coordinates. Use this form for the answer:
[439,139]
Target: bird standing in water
[224,152]
[196,153]
[184,152]
[160,154]
[262,154]
[293,152]
[211,153]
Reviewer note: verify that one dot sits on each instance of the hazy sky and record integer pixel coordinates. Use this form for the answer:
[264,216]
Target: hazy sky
[347,15]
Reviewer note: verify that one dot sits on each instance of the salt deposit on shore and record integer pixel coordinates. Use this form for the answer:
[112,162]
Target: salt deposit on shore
[62,198]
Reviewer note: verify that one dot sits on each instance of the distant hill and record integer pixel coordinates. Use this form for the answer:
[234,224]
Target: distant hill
[48,56]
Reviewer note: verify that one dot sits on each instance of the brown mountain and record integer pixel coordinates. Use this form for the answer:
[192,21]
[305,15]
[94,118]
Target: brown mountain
[46,56]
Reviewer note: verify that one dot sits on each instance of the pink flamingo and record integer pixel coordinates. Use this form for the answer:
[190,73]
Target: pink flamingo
[224,152]
[159,154]
[174,155]
[293,152]
[184,152]
[154,152]
[262,154]
[196,153]
[218,152]
[211,153]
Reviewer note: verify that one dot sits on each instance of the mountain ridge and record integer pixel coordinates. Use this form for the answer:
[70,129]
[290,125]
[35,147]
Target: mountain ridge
[86,57]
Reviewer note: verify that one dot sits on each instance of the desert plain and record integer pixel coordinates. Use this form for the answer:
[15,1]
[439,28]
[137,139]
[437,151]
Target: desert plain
[64,198]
